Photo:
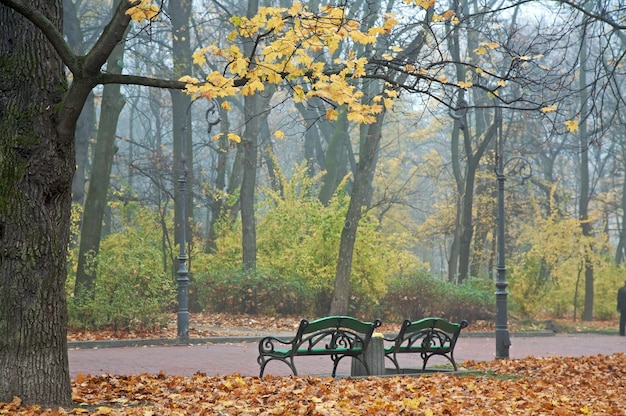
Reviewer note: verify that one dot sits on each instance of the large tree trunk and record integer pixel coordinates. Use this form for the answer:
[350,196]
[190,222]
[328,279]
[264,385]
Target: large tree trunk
[36,167]
[96,202]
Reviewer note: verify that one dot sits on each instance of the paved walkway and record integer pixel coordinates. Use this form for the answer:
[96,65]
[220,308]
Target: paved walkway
[221,358]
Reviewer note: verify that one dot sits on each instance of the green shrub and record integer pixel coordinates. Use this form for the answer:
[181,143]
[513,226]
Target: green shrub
[473,300]
[422,294]
[414,296]
[133,291]
[258,292]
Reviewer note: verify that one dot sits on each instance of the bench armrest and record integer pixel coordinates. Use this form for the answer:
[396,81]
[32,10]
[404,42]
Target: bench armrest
[270,344]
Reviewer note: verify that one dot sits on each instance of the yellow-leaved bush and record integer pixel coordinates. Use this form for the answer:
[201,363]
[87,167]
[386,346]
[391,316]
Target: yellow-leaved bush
[548,278]
[297,242]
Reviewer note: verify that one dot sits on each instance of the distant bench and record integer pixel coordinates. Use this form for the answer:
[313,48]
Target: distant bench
[334,336]
[427,337]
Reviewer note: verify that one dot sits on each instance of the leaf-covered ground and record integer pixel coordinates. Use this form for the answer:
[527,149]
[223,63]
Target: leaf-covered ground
[532,386]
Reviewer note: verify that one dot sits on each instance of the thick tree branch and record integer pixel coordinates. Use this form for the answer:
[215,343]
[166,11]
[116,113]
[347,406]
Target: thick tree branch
[105,78]
[112,34]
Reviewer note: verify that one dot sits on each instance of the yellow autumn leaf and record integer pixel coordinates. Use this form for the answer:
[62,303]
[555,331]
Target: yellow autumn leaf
[217,137]
[234,137]
[464,84]
[549,109]
[501,83]
[226,105]
[480,51]
[295,9]
[363,38]
[388,56]
[571,125]
[390,23]
[188,80]
[298,94]
[449,14]
[279,134]
[359,117]
[199,58]
[143,11]
[391,93]
[490,45]
[251,87]
[332,114]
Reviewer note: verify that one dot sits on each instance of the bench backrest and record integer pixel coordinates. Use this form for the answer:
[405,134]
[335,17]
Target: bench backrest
[334,332]
[429,333]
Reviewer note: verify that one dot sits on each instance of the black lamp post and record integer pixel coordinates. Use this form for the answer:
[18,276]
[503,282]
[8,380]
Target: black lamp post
[522,167]
[182,279]
[183,275]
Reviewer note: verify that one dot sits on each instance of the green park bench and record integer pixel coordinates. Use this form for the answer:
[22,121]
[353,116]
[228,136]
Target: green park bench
[427,337]
[334,336]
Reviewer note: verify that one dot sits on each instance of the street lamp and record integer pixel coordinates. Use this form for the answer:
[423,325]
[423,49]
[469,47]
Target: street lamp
[183,275]
[522,167]
[213,118]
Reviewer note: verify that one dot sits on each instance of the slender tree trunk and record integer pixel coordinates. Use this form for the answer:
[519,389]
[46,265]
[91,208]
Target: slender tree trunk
[583,206]
[36,167]
[96,202]
[85,127]
[362,177]
[620,253]
[180,12]
[248,184]
[84,132]
[336,158]
[315,123]
[217,201]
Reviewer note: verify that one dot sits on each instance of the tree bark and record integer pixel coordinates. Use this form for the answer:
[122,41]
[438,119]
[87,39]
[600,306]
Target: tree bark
[583,202]
[96,202]
[180,12]
[248,183]
[362,178]
[38,115]
[85,127]
[336,157]
[216,204]
[36,167]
